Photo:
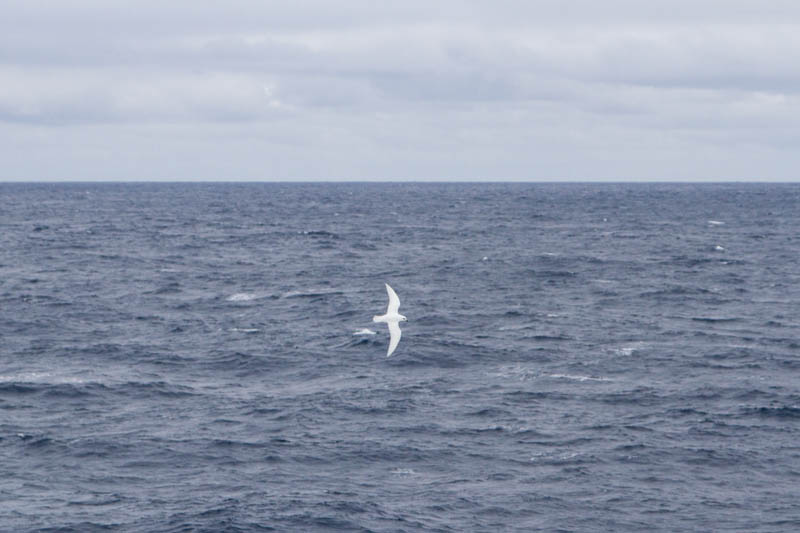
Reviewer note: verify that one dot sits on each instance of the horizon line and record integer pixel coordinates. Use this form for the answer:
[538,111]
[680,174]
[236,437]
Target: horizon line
[411,180]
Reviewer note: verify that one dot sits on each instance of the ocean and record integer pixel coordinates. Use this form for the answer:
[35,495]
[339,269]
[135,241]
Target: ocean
[577,357]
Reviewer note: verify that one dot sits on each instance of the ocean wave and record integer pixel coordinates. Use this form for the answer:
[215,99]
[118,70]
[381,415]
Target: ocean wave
[714,319]
[80,389]
[242,297]
[789,412]
[576,377]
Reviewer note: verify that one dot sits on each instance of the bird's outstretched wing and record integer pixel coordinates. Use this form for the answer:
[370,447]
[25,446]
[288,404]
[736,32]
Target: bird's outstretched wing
[394,301]
[394,336]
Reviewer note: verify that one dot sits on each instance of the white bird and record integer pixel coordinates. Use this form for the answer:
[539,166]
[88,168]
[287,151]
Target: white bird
[392,319]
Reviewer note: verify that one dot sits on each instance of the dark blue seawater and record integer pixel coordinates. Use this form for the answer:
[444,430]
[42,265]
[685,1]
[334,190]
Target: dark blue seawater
[181,357]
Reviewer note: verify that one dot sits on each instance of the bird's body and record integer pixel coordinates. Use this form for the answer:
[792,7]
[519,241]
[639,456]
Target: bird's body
[392,319]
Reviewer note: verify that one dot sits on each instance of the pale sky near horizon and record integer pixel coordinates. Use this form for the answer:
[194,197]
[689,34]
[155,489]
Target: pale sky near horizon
[539,90]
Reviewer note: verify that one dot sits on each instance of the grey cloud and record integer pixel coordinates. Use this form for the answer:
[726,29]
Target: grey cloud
[474,89]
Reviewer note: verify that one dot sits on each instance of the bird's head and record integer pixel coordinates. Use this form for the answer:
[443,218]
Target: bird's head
[403,318]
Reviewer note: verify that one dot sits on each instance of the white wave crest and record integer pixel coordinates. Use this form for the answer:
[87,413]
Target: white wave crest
[626,350]
[242,297]
[576,378]
[39,377]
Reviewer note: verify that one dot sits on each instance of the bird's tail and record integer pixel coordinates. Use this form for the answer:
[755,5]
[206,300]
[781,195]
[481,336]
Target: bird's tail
[376,318]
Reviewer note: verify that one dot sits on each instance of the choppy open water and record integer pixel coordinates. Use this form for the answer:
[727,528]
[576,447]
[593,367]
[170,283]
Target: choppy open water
[181,357]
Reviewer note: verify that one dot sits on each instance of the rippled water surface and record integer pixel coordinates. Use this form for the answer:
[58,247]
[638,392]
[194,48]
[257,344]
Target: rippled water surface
[182,357]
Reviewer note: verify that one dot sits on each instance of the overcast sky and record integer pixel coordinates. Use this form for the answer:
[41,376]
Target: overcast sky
[411,89]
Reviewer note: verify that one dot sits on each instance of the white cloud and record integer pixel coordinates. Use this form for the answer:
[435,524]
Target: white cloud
[61,96]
